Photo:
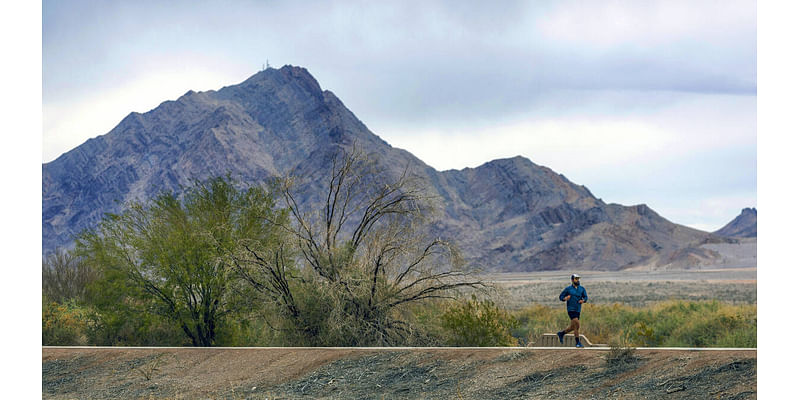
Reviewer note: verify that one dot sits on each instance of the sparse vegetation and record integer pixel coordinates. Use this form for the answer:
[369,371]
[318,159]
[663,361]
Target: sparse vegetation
[291,373]
[150,368]
[620,354]
[669,324]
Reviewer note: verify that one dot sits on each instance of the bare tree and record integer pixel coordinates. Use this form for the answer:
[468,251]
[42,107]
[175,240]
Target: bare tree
[363,253]
[65,276]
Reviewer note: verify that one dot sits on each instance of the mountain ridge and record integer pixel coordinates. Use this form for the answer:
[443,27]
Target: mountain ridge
[506,214]
[745,225]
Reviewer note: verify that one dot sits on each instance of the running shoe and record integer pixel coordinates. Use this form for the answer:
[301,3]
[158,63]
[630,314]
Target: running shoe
[579,345]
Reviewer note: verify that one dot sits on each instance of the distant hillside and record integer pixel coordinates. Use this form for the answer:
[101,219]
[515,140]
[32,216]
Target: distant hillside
[743,226]
[507,214]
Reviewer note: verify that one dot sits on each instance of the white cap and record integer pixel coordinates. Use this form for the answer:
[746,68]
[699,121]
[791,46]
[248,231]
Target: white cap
[574,276]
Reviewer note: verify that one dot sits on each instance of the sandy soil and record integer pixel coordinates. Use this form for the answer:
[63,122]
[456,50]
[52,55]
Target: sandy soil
[711,275]
[633,288]
[444,373]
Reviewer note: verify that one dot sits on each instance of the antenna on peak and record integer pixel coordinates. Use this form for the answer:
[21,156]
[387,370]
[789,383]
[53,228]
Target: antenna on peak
[265,65]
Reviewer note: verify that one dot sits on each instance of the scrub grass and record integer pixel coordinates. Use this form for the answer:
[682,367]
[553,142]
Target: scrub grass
[665,324]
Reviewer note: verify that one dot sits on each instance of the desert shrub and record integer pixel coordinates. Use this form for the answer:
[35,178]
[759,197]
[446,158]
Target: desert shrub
[320,321]
[671,323]
[479,323]
[645,334]
[536,320]
[744,336]
[714,324]
[612,323]
[426,323]
[620,354]
[74,324]
[66,324]
[126,327]
[247,331]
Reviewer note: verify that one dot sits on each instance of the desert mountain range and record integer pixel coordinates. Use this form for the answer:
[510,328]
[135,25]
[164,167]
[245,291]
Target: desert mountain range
[505,215]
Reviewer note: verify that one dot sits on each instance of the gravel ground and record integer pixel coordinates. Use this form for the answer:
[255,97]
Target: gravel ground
[633,293]
[711,275]
[445,373]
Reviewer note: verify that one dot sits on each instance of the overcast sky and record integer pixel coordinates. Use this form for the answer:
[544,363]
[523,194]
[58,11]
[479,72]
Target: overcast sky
[642,102]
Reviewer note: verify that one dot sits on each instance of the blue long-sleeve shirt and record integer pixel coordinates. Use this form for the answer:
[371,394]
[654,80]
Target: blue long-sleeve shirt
[576,294]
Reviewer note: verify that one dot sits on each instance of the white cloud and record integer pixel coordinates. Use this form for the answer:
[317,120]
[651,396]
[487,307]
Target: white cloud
[574,142]
[581,136]
[706,213]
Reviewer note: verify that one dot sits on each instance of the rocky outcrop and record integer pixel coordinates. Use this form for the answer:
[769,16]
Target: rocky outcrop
[507,214]
[743,226]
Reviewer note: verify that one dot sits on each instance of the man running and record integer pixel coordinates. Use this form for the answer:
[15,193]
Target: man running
[574,295]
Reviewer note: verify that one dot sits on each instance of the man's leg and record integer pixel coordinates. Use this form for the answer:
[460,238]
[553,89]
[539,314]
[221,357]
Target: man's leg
[577,324]
[571,326]
[565,331]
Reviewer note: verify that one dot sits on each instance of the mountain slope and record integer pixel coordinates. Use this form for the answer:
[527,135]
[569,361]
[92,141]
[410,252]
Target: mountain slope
[743,226]
[508,214]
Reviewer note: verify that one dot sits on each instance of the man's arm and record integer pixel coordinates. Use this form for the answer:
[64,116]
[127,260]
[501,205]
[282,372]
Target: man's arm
[563,295]
[584,296]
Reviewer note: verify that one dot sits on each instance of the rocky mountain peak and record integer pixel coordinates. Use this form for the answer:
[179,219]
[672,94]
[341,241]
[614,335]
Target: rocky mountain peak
[297,79]
[745,225]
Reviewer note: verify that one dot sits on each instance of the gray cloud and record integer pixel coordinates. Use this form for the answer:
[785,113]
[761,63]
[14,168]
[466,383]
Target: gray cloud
[426,56]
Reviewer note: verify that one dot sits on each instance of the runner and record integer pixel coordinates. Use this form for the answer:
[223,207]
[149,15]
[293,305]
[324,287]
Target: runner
[574,295]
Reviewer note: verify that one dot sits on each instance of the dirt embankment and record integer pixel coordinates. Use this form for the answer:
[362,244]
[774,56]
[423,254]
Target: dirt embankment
[446,373]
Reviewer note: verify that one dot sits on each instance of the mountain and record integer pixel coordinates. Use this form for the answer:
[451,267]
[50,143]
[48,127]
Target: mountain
[743,226]
[507,214]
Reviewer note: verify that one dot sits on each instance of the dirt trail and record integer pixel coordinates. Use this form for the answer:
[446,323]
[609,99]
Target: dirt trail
[446,373]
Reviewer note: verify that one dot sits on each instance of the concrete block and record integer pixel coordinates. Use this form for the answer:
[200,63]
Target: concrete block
[551,340]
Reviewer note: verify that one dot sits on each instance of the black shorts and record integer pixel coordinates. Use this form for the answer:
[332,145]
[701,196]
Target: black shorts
[574,314]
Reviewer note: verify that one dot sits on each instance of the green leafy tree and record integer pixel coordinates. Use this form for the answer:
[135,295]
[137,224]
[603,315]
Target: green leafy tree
[169,257]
